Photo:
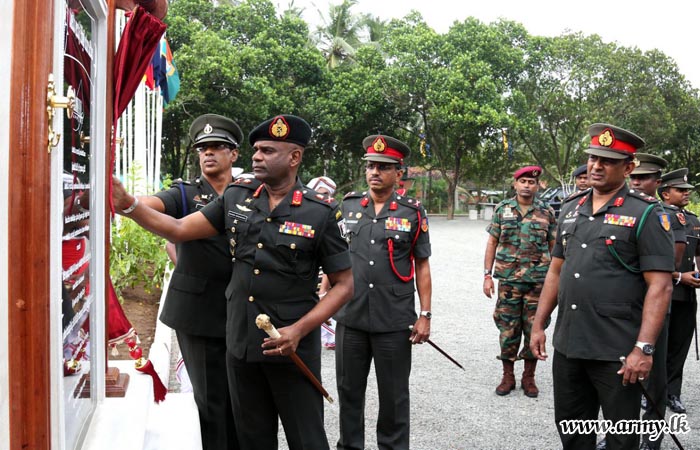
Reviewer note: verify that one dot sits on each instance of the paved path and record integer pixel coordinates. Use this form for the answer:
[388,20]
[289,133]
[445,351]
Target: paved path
[452,409]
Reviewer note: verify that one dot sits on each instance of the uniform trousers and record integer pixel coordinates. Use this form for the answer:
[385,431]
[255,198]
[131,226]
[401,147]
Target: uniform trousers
[205,359]
[581,388]
[355,350]
[680,336]
[262,392]
[514,314]
[656,387]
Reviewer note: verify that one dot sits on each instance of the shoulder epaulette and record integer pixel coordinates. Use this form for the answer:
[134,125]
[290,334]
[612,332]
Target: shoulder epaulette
[642,196]
[669,207]
[319,198]
[408,201]
[501,204]
[249,183]
[181,181]
[690,213]
[354,194]
[576,195]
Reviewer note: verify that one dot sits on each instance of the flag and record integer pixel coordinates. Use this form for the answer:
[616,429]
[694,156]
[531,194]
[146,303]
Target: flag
[165,74]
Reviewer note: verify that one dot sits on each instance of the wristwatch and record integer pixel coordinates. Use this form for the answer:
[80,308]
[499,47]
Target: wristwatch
[645,347]
[426,314]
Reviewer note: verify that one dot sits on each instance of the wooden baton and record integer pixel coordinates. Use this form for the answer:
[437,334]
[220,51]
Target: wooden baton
[263,322]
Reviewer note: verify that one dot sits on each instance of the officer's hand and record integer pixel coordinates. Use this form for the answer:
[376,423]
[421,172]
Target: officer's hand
[121,199]
[420,331]
[537,343]
[284,345]
[635,366]
[488,286]
[688,278]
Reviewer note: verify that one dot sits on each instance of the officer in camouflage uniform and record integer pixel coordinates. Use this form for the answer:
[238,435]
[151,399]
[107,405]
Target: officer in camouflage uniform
[610,275]
[278,233]
[521,235]
[389,244]
[195,304]
[675,193]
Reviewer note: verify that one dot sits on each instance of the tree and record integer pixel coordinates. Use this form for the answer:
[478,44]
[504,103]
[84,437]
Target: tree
[339,36]
[453,85]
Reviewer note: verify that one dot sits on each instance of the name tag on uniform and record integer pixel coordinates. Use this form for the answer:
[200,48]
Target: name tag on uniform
[297,229]
[397,224]
[617,219]
[238,216]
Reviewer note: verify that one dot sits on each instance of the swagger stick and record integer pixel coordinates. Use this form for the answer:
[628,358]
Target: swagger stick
[444,353]
[263,322]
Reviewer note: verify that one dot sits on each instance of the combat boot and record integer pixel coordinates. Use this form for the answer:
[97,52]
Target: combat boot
[528,380]
[508,381]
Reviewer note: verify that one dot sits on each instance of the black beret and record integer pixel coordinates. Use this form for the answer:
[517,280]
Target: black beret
[580,170]
[284,128]
[215,128]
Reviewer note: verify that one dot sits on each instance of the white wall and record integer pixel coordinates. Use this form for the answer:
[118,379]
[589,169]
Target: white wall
[6,25]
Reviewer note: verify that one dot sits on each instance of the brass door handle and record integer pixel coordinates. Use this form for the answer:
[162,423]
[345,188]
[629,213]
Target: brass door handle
[54,101]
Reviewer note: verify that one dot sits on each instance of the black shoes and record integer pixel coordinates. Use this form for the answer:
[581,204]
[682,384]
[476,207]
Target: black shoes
[674,403]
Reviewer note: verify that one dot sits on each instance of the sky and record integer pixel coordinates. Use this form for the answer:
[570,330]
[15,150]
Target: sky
[669,26]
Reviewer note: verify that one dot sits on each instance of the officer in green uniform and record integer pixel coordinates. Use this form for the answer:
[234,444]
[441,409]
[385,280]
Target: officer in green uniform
[390,247]
[195,304]
[675,192]
[279,233]
[521,236]
[611,278]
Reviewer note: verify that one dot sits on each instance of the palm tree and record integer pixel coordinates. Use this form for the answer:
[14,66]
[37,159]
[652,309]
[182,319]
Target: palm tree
[340,34]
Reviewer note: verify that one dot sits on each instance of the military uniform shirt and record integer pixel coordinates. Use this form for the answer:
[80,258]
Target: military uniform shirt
[196,302]
[522,254]
[383,302]
[276,255]
[682,292]
[600,301]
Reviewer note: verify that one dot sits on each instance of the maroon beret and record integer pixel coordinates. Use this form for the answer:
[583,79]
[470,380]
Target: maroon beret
[528,171]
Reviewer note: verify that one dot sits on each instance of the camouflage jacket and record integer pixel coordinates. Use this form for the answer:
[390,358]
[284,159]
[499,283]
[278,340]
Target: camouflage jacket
[522,254]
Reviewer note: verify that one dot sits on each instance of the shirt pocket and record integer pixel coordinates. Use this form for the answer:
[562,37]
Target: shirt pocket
[615,310]
[297,252]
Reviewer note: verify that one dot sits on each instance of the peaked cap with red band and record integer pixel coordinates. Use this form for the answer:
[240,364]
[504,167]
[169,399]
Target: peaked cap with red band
[386,149]
[285,128]
[612,142]
[528,171]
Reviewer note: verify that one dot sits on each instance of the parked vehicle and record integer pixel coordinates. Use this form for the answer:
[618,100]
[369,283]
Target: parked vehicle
[555,196]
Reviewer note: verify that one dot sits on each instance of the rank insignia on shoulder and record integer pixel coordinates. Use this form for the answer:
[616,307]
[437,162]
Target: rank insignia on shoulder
[424,225]
[297,229]
[617,219]
[397,224]
[338,214]
[681,218]
[665,221]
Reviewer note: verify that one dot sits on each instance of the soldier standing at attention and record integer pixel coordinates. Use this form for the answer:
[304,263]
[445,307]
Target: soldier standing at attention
[675,193]
[521,236]
[279,234]
[389,244]
[195,304]
[611,278]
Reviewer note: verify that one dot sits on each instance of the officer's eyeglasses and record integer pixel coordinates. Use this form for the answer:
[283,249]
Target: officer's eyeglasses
[214,147]
[382,167]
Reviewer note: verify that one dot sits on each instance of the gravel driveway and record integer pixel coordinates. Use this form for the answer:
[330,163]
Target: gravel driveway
[452,409]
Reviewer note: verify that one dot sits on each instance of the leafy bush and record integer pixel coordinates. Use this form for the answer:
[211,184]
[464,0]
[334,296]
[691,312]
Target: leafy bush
[137,257]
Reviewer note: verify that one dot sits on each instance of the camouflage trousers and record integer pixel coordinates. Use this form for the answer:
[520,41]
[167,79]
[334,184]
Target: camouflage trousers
[514,314]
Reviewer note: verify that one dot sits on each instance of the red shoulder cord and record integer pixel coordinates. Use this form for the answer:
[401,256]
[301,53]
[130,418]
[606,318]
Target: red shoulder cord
[390,244]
